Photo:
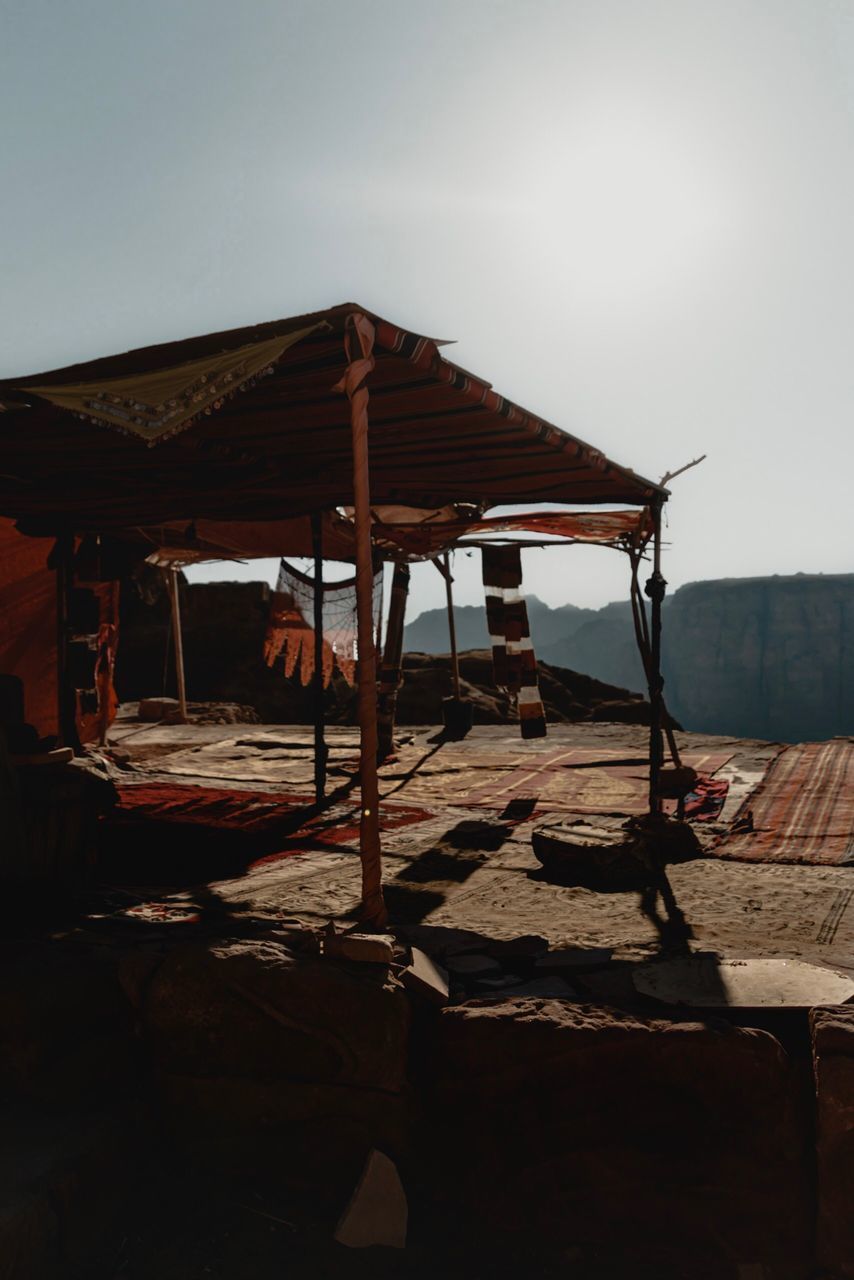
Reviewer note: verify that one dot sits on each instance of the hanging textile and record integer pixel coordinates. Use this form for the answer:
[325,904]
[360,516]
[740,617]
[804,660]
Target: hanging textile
[97,702]
[156,404]
[290,631]
[513,659]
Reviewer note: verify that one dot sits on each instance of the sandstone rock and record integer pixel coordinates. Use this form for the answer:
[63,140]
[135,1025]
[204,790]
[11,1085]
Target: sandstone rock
[426,977]
[167,710]
[833,1057]
[377,1213]
[249,1008]
[273,1060]
[762,657]
[568,1125]
[361,948]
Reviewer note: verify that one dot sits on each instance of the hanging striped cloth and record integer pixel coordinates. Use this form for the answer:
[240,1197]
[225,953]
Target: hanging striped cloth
[514,662]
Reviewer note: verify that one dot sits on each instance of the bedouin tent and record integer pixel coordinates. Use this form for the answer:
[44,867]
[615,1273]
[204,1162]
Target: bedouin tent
[270,422]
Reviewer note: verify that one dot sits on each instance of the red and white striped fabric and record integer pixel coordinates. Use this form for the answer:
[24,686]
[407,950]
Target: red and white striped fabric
[513,659]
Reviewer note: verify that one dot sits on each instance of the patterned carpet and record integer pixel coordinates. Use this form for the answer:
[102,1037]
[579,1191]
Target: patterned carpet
[802,811]
[562,780]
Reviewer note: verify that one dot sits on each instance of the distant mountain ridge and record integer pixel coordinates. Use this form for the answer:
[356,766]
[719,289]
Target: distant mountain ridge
[751,657]
[428,633]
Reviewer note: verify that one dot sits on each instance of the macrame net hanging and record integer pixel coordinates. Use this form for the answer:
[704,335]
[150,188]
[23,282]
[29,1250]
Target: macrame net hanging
[290,631]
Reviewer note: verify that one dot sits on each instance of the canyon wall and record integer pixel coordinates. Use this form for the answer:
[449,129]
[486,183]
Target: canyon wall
[752,657]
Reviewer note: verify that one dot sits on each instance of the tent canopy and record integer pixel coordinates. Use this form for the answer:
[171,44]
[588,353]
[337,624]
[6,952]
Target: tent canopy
[245,426]
[398,533]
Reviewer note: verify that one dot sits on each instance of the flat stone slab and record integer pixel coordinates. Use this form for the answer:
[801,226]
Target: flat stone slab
[704,980]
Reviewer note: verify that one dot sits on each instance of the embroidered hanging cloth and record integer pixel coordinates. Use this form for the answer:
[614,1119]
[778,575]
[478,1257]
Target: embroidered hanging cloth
[97,706]
[290,631]
[513,660]
[164,401]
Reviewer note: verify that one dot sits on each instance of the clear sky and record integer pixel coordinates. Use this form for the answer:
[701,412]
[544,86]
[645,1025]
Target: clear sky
[635,216]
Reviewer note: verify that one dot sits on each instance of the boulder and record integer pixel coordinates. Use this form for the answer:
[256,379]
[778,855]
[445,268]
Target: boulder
[571,1127]
[833,1059]
[269,1055]
[251,1008]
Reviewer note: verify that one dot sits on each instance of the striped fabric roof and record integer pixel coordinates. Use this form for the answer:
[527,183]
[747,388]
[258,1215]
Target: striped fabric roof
[278,445]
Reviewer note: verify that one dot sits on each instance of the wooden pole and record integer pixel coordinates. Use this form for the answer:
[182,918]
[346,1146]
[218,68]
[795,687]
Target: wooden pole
[452,627]
[655,589]
[359,341]
[392,658]
[178,641]
[317,682]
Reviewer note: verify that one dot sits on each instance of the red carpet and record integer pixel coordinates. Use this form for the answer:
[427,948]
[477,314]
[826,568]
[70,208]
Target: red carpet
[248,811]
[272,815]
[802,811]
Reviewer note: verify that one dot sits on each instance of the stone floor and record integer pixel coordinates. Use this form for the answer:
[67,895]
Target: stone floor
[471,867]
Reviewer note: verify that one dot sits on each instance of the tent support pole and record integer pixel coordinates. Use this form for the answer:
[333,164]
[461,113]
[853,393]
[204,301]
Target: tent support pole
[392,658]
[452,626]
[178,641]
[317,682]
[655,589]
[359,341]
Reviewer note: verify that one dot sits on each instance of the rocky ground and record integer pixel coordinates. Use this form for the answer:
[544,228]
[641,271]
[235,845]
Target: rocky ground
[486,878]
[196,1084]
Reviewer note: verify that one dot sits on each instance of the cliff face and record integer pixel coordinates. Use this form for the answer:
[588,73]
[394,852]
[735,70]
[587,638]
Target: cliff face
[752,657]
[604,645]
[763,657]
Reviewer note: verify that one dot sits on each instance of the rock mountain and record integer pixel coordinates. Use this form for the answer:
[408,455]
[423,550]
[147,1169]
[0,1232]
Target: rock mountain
[751,657]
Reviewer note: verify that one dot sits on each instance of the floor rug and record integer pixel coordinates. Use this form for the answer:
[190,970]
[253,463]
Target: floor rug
[249,811]
[571,780]
[801,812]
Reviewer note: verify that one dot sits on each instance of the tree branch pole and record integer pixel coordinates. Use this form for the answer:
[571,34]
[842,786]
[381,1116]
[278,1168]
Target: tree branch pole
[359,342]
[452,626]
[178,641]
[392,658]
[655,589]
[317,680]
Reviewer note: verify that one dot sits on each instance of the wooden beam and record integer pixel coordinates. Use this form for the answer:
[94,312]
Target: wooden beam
[178,642]
[655,589]
[392,658]
[317,682]
[359,341]
[452,627]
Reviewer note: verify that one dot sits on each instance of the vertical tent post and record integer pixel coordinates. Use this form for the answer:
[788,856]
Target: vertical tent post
[63,556]
[655,589]
[359,342]
[317,682]
[178,641]
[452,626]
[392,658]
